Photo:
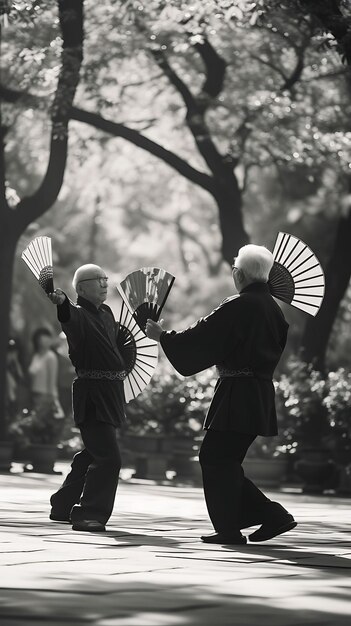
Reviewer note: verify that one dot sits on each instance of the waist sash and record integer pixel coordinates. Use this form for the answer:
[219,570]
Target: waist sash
[245,372]
[101,374]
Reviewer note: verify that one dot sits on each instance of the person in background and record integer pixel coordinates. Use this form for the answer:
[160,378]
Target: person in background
[43,373]
[244,337]
[66,374]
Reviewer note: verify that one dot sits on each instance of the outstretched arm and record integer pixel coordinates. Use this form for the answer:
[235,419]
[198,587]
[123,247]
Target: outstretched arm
[57,297]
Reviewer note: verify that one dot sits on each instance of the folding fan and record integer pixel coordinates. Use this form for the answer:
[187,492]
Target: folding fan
[38,256]
[296,276]
[145,292]
[139,352]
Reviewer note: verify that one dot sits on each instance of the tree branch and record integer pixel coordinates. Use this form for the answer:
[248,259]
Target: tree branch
[196,107]
[161,59]
[215,68]
[71,23]
[115,129]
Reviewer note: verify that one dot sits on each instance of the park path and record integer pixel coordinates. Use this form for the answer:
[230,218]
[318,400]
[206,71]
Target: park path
[151,569]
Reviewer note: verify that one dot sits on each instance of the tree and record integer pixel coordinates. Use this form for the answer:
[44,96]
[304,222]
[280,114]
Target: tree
[15,219]
[235,77]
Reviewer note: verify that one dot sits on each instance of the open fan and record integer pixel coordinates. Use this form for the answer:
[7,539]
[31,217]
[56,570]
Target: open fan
[38,256]
[296,276]
[139,352]
[145,292]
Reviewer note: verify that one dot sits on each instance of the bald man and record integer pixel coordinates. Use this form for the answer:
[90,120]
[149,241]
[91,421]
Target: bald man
[87,496]
[244,337]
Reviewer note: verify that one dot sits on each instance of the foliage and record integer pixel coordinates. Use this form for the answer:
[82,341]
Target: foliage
[291,139]
[338,404]
[338,400]
[171,405]
[44,425]
[300,402]
[315,409]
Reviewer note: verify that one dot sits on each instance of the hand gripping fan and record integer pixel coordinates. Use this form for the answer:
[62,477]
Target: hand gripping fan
[139,352]
[145,292]
[296,277]
[38,256]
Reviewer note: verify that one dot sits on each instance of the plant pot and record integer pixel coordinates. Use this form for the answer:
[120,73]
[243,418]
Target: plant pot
[266,472]
[344,486]
[182,459]
[6,449]
[317,470]
[42,457]
[150,454]
[144,443]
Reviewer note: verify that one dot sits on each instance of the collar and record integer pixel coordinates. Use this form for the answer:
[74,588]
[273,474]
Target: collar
[257,288]
[86,304]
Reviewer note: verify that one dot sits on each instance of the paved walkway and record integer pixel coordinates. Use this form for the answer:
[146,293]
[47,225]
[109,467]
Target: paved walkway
[150,569]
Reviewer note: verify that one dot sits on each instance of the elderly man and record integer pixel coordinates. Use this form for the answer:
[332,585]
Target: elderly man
[244,337]
[87,496]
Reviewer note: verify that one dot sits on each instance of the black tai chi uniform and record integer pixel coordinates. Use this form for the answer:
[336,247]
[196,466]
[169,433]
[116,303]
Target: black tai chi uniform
[244,337]
[88,493]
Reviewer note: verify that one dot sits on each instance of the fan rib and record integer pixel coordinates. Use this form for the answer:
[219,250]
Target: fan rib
[315,306]
[284,262]
[280,252]
[303,280]
[132,374]
[138,370]
[39,253]
[34,259]
[146,363]
[165,298]
[44,252]
[306,270]
[148,373]
[296,258]
[32,268]
[302,263]
[309,295]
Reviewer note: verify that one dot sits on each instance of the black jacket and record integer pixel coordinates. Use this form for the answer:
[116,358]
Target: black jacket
[93,345]
[246,333]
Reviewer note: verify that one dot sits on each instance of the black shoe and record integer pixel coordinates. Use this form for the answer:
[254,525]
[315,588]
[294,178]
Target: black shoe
[57,517]
[235,540]
[89,525]
[271,529]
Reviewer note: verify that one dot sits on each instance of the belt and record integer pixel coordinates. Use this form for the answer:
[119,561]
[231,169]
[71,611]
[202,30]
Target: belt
[223,372]
[101,374]
[245,372]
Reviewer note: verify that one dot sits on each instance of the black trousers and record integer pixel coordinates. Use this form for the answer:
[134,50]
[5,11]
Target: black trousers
[89,490]
[233,501]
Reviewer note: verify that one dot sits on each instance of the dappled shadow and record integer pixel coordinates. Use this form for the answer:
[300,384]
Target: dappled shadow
[154,602]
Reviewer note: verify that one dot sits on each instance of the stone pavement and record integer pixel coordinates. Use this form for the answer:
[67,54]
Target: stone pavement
[150,569]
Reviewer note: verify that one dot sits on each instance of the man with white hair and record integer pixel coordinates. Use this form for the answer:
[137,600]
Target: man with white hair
[244,337]
[87,496]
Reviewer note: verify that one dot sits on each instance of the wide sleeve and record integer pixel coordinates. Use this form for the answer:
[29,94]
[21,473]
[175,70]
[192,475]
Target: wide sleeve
[70,320]
[204,344]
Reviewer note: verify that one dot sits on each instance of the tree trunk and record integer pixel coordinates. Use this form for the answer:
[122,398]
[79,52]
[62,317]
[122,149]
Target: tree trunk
[228,197]
[8,241]
[337,277]
[14,221]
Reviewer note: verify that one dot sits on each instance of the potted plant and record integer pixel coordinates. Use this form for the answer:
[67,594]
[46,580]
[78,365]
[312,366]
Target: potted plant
[301,393]
[266,462]
[165,421]
[338,405]
[38,432]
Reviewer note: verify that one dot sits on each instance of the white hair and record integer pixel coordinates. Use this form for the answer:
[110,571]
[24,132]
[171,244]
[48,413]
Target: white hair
[85,272]
[255,261]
